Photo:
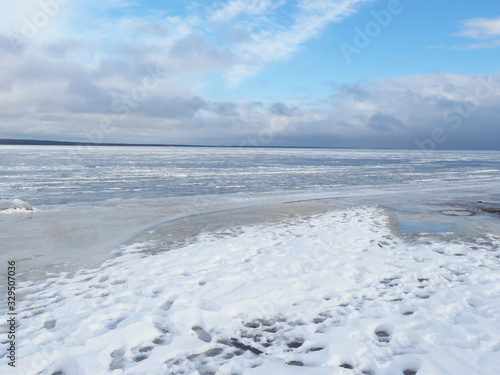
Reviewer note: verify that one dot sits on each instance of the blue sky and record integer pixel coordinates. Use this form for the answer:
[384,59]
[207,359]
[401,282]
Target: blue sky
[389,74]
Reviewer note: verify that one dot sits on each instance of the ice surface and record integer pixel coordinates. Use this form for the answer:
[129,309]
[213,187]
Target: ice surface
[88,201]
[242,261]
[68,175]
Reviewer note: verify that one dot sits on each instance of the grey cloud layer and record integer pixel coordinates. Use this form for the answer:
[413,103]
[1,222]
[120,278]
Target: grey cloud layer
[61,97]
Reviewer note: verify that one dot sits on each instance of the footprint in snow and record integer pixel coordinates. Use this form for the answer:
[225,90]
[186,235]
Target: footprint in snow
[142,353]
[114,323]
[50,324]
[384,332]
[346,366]
[202,334]
[296,343]
[117,361]
[167,305]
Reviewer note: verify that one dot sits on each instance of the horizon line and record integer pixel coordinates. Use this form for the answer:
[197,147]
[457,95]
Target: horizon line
[47,142]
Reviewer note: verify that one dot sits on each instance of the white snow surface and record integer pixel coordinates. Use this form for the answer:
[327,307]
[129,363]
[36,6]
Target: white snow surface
[336,293]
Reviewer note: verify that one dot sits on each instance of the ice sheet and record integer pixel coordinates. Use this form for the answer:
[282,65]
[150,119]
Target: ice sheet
[237,261]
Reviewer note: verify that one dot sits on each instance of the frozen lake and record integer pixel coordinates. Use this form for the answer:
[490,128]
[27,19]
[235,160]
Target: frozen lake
[89,200]
[253,261]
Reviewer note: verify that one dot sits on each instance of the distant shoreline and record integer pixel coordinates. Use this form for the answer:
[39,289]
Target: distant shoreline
[33,142]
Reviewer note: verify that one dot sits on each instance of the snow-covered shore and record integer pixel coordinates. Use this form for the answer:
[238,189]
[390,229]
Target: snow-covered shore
[336,293]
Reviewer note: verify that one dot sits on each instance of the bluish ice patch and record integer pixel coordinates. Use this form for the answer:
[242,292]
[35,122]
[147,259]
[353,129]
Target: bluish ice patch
[407,226]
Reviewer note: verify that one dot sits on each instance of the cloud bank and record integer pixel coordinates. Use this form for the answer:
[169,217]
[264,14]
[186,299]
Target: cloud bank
[97,71]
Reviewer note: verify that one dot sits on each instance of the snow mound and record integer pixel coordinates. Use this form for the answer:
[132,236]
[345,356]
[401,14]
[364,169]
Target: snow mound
[14,206]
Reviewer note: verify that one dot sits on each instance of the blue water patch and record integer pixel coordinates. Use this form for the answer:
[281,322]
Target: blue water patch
[407,226]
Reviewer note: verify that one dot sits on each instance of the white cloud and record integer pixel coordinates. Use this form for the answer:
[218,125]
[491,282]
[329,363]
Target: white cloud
[278,42]
[272,33]
[69,103]
[481,45]
[13,13]
[235,8]
[485,30]
[480,28]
